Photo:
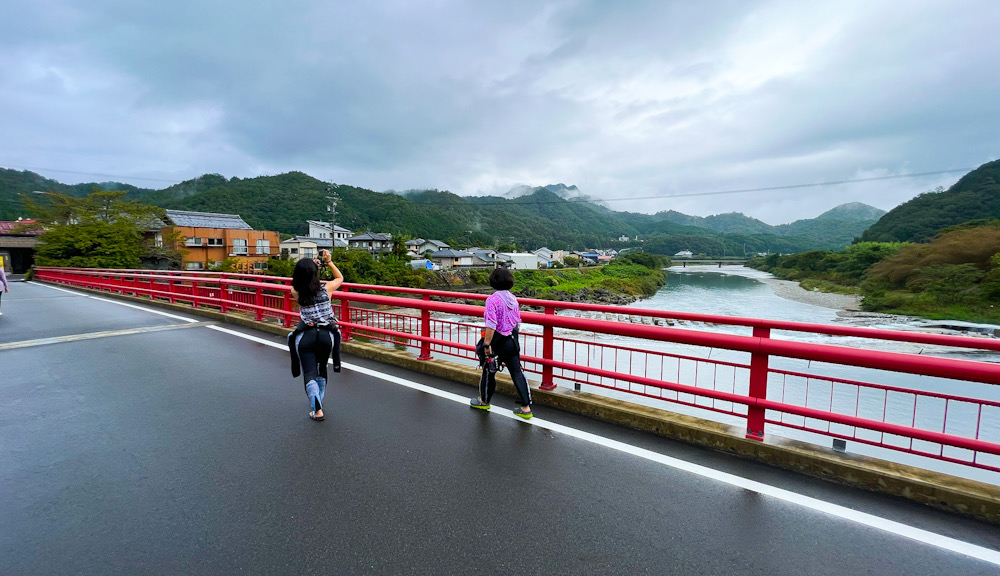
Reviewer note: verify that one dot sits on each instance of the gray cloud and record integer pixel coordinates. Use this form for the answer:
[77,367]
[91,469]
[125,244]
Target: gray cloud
[634,99]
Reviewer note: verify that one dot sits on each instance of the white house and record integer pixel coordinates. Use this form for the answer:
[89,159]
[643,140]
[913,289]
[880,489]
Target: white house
[372,242]
[518,260]
[683,254]
[483,257]
[451,258]
[319,229]
[300,248]
[543,253]
[420,246]
[545,258]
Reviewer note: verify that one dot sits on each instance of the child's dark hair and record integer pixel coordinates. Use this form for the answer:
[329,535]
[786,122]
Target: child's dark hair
[305,280]
[502,279]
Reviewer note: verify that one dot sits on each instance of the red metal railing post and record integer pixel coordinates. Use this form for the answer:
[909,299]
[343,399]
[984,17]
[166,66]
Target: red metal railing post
[345,315]
[425,331]
[758,388]
[259,304]
[286,305]
[223,297]
[170,283]
[548,345]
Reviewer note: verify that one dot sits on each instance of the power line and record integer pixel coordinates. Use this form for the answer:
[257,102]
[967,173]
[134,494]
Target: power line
[92,174]
[793,186]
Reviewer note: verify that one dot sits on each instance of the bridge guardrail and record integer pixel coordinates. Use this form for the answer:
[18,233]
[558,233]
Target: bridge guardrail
[658,356]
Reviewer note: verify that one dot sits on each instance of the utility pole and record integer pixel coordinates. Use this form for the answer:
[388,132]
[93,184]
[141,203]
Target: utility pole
[332,198]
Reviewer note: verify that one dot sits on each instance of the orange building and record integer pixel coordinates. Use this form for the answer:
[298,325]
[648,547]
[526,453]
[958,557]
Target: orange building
[208,239]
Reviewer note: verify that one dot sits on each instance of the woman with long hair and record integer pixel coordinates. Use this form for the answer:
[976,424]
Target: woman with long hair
[502,317]
[316,337]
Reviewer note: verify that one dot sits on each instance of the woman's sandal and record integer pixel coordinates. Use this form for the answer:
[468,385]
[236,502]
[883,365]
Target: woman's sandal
[315,417]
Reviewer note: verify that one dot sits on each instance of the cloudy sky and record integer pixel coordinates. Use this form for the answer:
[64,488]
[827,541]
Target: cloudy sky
[648,106]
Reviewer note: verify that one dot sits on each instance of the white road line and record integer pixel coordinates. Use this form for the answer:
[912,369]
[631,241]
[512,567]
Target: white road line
[884,524]
[95,335]
[120,303]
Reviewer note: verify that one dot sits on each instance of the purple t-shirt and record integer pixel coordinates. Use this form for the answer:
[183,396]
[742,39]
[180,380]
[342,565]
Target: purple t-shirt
[502,313]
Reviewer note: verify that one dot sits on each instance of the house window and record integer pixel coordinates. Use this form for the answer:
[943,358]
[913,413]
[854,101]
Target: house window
[308,253]
[195,266]
[263,246]
[293,250]
[192,242]
[260,265]
[215,242]
[239,245]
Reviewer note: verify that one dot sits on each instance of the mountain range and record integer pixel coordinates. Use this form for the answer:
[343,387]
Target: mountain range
[557,215]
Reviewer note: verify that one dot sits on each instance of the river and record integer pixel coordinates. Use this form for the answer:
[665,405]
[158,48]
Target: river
[748,293]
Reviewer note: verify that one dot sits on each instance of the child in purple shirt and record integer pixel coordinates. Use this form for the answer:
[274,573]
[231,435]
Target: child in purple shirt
[502,318]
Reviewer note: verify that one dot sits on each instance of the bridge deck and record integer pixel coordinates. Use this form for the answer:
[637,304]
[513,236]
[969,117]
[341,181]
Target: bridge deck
[135,442]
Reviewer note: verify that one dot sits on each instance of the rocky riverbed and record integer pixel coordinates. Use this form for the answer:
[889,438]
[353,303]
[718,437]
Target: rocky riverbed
[848,306]
[792,291]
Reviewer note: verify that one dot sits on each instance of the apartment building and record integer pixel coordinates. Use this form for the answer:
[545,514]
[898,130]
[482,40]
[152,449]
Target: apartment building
[208,239]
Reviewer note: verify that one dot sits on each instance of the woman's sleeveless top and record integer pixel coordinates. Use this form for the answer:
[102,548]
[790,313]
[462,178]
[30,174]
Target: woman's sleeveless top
[319,311]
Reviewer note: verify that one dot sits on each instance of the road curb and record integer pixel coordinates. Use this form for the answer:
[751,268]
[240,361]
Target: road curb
[943,491]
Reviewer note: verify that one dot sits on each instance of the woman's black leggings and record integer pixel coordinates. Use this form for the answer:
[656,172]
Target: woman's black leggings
[508,351]
[315,346]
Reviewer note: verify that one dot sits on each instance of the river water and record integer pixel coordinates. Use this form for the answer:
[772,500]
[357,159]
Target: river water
[743,292]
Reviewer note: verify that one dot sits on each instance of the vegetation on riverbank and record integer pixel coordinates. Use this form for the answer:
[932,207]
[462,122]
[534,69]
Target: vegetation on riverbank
[624,280]
[955,276]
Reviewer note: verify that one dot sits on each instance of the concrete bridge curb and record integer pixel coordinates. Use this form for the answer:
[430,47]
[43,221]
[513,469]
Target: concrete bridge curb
[943,491]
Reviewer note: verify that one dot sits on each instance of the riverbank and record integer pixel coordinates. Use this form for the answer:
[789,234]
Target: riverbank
[791,290]
[617,284]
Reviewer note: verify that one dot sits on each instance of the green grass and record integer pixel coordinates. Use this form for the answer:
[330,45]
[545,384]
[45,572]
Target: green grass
[628,279]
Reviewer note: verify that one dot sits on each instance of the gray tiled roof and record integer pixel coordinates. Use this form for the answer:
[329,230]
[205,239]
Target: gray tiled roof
[320,242]
[326,225]
[206,220]
[371,236]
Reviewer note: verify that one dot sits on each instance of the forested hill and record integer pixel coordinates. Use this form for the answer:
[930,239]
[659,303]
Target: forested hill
[537,217]
[13,183]
[837,227]
[976,196]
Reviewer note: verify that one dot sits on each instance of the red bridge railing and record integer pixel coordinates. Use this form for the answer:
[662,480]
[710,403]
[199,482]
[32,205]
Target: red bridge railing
[743,370]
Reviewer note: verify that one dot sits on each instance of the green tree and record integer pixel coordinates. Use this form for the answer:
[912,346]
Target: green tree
[948,283]
[101,230]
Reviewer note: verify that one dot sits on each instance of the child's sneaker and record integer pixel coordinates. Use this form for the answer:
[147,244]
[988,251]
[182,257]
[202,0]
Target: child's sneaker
[522,413]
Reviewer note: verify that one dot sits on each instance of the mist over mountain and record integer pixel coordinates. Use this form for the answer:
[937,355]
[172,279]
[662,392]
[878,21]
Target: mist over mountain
[561,190]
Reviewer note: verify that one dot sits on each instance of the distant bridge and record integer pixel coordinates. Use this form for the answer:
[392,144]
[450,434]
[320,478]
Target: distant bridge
[703,261]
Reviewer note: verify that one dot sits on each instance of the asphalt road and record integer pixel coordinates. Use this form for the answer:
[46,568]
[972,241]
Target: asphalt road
[134,442]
